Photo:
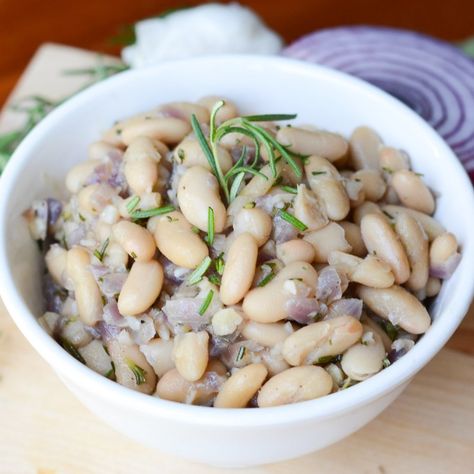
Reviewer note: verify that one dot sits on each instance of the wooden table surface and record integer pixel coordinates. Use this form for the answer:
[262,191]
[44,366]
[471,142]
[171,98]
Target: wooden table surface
[25,24]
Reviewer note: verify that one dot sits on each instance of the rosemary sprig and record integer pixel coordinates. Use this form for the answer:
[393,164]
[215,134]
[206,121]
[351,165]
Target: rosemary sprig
[156,211]
[206,303]
[198,273]
[210,226]
[296,223]
[137,371]
[100,253]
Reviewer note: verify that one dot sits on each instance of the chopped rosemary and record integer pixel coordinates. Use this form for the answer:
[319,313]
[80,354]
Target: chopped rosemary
[391,330]
[100,253]
[386,362]
[156,211]
[249,205]
[388,215]
[219,264]
[133,255]
[195,229]
[111,373]
[132,204]
[387,170]
[206,303]
[296,223]
[269,117]
[215,279]
[210,226]
[240,354]
[137,371]
[317,173]
[181,155]
[289,189]
[266,279]
[198,273]
[71,348]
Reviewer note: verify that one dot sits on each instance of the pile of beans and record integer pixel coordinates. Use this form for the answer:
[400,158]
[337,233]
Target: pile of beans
[261,312]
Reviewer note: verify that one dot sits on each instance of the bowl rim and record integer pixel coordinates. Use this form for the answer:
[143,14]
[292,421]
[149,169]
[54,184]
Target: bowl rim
[325,407]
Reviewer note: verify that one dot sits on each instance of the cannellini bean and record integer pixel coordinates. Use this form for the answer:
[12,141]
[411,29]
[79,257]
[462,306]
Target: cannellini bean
[191,354]
[266,334]
[398,306]
[239,269]
[176,240]
[325,181]
[288,173]
[295,385]
[373,184]
[241,386]
[141,165]
[56,263]
[135,240]
[87,293]
[412,192]
[169,130]
[256,222]
[326,240]
[365,145]
[77,176]
[131,368]
[371,271]
[93,198]
[353,236]
[98,150]
[433,287]
[381,240]
[331,146]
[315,341]
[141,288]
[189,153]
[115,256]
[430,225]
[185,110]
[296,250]
[443,247]
[365,208]
[259,186]
[268,303]
[226,112]
[354,190]
[198,191]
[415,241]
[226,321]
[159,354]
[173,386]
[370,323]
[392,160]
[365,359]
[308,210]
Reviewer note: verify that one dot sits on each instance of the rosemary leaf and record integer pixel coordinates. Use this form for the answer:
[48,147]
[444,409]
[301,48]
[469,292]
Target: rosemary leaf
[198,273]
[206,302]
[156,211]
[296,223]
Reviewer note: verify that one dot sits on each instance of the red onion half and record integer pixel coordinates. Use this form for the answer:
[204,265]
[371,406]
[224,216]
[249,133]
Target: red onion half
[432,77]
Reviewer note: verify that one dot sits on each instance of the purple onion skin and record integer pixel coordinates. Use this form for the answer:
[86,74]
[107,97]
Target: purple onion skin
[55,208]
[52,294]
[410,66]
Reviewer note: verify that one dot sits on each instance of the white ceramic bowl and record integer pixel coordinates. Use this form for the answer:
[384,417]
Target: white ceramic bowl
[262,85]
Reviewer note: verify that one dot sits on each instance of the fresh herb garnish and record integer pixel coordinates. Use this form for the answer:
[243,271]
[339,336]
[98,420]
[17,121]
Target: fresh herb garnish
[387,214]
[391,330]
[240,354]
[137,371]
[269,117]
[198,273]
[215,279]
[181,155]
[133,255]
[296,223]
[219,264]
[269,277]
[111,373]
[289,189]
[317,173]
[156,211]
[387,170]
[206,303]
[386,362]
[195,229]
[249,205]
[71,348]
[132,204]
[100,253]
[210,226]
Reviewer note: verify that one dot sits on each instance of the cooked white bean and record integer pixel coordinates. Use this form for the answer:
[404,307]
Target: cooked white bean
[295,385]
[256,222]
[226,112]
[226,321]
[365,359]
[77,176]
[177,241]
[365,145]
[93,198]
[317,341]
[241,386]
[185,110]
[88,297]
[443,247]
[370,323]
[115,256]
[131,368]
[135,240]
[141,165]
[296,250]
[381,240]
[159,354]
[412,192]
[98,150]
[239,269]
[189,153]
[415,242]
[373,184]
[398,306]
[325,181]
[308,209]
[259,186]
[353,236]
[365,208]
[191,354]
[392,160]
[433,286]
[326,240]
[198,191]
[331,146]
[268,303]
[165,129]
[266,334]
[56,263]
[141,288]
